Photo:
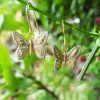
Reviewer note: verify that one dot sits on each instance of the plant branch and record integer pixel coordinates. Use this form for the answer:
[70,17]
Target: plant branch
[87,63]
[59,20]
[42,86]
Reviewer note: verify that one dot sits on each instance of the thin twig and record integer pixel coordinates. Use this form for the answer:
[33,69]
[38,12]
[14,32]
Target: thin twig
[42,86]
[59,20]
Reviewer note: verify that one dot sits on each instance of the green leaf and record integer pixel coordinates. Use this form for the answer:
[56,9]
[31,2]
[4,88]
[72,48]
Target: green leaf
[29,61]
[6,66]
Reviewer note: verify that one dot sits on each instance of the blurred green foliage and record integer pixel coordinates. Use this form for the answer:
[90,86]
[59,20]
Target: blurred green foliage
[36,79]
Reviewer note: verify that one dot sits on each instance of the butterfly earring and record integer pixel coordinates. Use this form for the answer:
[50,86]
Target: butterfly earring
[69,58]
[23,45]
[38,42]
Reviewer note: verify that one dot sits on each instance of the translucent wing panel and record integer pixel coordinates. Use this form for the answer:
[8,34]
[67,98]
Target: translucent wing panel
[41,39]
[72,62]
[58,54]
[20,41]
[21,53]
[72,56]
[74,52]
[57,64]
[59,57]
[40,51]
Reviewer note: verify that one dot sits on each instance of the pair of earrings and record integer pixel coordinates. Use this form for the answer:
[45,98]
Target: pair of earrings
[69,58]
[36,43]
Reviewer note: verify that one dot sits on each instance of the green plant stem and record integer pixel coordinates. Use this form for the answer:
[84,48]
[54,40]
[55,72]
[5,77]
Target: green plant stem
[59,20]
[42,86]
[87,63]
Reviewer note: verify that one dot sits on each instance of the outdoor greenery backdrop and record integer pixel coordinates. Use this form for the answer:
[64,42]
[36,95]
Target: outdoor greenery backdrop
[35,79]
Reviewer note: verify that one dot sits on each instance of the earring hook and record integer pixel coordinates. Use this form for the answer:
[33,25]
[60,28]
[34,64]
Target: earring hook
[64,43]
[28,18]
[36,22]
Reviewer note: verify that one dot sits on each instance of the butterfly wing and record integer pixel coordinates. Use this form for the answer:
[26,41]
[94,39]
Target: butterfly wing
[40,51]
[22,45]
[57,64]
[72,62]
[21,53]
[74,52]
[59,57]
[72,56]
[41,39]
[39,44]
[20,41]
